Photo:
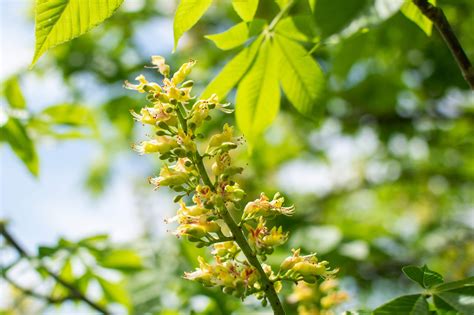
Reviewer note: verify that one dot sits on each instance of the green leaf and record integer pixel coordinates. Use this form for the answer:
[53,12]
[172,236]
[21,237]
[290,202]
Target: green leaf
[331,16]
[13,94]
[300,27]
[114,292]
[300,75]
[258,95]
[232,72]
[246,9]
[122,259]
[65,121]
[59,21]
[44,251]
[461,300]
[411,11]
[236,35]
[17,137]
[404,305]
[454,285]
[425,277]
[187,14]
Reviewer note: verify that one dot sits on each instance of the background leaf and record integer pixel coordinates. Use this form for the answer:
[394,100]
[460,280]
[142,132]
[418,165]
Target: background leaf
[404,305]
[13,94]
[245,8]
[187,14]
[114,292]
[258,95]
[122,259]
[17,137]
[232,72]
[411,11]
[58,21]
[300,75]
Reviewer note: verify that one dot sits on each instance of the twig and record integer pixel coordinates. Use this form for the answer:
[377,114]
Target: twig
[436,15]
[75,293]
[30,292]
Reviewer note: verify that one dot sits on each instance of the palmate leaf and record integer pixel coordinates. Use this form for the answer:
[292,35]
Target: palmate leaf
[300,75]
[58,21]
[404,305]
[246,9]
[232,72]
[411,11]
[187,14]
[258,95]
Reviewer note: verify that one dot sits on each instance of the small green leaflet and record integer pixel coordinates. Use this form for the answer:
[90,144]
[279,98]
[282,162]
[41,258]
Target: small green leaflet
[232,72]
[258,94]
[59,21]
[237,35]
[122,259]
[300,75]
[404,305]
[187,14]
[425,277]
[231,38]
[411,11]
[246,9]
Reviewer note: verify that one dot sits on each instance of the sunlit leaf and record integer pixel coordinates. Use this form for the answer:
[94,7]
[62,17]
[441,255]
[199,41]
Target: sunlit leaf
[58,21]
[245,8]
[122,259]
[300,27]
[13,94]
[17,137]
[236,35]
[187,14]
[232,72]
[258,95]
[412,12]
[300,75]
[404,305]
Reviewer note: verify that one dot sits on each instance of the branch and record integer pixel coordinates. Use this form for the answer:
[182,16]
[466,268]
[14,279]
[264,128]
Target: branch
[436,15]
[75,293]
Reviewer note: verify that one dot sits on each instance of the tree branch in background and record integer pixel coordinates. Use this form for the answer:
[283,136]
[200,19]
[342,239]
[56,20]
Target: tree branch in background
[75,292]
[436,15]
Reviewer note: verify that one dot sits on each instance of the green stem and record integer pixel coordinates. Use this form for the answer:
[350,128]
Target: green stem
[280,15]
[181,119]
[240,239]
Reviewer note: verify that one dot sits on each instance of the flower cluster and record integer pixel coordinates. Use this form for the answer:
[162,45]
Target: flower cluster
[317,298]
[207,208]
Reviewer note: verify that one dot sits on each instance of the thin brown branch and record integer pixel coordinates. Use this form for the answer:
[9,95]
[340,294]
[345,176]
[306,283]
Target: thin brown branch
[75,292]
[436,15]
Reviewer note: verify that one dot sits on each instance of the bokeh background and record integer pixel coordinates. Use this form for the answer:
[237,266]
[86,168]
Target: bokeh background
[381,177]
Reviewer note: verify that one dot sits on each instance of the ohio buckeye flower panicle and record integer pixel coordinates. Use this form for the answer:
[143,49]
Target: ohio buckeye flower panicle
[206,195]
